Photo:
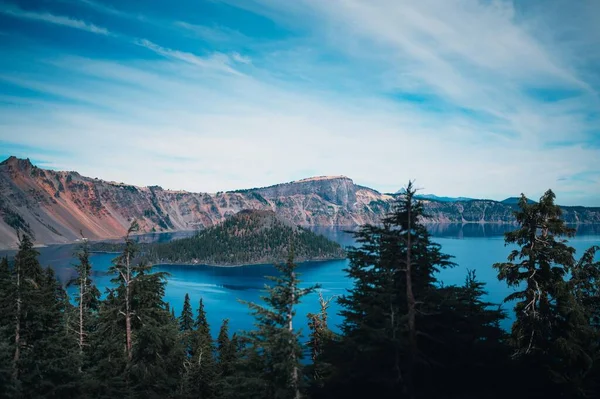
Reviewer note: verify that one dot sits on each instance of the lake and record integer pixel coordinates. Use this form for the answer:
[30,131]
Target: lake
[473,246]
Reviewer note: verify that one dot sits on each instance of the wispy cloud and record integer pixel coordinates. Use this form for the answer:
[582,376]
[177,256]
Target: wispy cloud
[104,8]
[217,61]
[471,98]
[56,20]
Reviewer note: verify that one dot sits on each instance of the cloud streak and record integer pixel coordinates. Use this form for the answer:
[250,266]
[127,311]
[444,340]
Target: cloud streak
[471,98]
[56,20]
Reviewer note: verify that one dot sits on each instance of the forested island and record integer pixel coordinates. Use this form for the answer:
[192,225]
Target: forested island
[248,237]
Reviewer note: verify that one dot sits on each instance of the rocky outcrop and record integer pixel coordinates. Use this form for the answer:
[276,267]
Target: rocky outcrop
[57,207]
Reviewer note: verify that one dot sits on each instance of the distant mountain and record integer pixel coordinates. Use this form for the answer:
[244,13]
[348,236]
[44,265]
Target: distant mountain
[434,197]
[54,207]
[248,237]
[515,201]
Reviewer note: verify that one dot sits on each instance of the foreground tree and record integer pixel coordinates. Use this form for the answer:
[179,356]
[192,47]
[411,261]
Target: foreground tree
[273,350]
[44,357]
[388,326]
[555,335]
[87,298]
[539,267]
[136,349]
[200,370]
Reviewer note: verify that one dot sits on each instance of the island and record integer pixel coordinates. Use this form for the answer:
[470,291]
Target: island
[246,238]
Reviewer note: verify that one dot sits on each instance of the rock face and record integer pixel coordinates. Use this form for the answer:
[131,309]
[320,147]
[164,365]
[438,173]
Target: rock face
[57,207]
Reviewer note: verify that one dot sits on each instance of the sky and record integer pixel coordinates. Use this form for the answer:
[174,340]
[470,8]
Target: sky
[475,98]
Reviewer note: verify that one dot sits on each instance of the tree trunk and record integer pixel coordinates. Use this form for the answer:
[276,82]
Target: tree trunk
[294,375]
[81,299]
[128,310]
[15,372]
[410,297]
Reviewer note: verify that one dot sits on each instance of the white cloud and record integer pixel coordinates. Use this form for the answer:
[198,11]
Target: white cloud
[198,123]
[217,61]
[56,20]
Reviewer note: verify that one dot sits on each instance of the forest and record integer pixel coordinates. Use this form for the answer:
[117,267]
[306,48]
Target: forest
[404,334]
[248,237]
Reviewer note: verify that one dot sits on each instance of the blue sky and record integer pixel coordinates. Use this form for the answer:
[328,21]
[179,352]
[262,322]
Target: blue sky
[485,98]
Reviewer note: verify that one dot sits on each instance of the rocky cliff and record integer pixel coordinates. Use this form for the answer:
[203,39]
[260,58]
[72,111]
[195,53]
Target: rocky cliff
[55,207]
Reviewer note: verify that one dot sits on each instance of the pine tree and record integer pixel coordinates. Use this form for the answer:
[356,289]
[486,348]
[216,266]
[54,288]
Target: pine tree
[200,374]
[7,327]
[136,348]
[125,273]
[390,328]
[580,344]
[544,259]
[474,355]
[186,320]
[44,357]
[227,351]
[88,298]
[274,349]
[320,336]
[186,326]
[552,337]
[27,297]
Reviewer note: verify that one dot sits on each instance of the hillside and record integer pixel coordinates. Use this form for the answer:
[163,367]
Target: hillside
[55,206]
[248,237]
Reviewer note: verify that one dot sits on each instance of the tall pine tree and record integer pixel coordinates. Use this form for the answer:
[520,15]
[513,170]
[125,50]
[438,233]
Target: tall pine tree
[389,328]
[87,298]
[274,350]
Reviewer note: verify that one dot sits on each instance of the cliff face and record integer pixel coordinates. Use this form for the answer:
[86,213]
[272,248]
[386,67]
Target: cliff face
[56,206]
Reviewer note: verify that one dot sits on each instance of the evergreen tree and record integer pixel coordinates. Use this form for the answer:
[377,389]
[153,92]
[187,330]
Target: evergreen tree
[274,350]
[543,260]
[227,351]
[391,326]
[87,298]
[580,345]
[200,374]
[553,336]
[474,353]
[44,357]
[136,348]
[320,336]
[186,327]
[186,320]
[7,327]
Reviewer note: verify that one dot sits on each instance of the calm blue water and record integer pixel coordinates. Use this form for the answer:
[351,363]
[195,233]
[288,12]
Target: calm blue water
[474,247]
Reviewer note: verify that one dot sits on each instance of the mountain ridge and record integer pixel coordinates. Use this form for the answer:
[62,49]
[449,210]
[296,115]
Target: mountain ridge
[55,206]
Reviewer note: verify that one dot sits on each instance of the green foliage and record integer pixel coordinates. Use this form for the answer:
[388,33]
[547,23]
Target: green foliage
[543,261]
[246,238]
[555,334]
[200,370]
[401,329]
[273,350]
[404,334]
[249,237]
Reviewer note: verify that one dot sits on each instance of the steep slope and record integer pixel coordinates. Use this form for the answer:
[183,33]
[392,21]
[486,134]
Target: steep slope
[248,237]
[56,206]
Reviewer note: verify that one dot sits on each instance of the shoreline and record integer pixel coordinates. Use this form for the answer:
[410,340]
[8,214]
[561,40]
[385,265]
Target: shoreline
[347,227]
[243,264]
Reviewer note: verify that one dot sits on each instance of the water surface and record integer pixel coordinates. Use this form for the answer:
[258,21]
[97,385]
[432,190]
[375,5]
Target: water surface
[474,247]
